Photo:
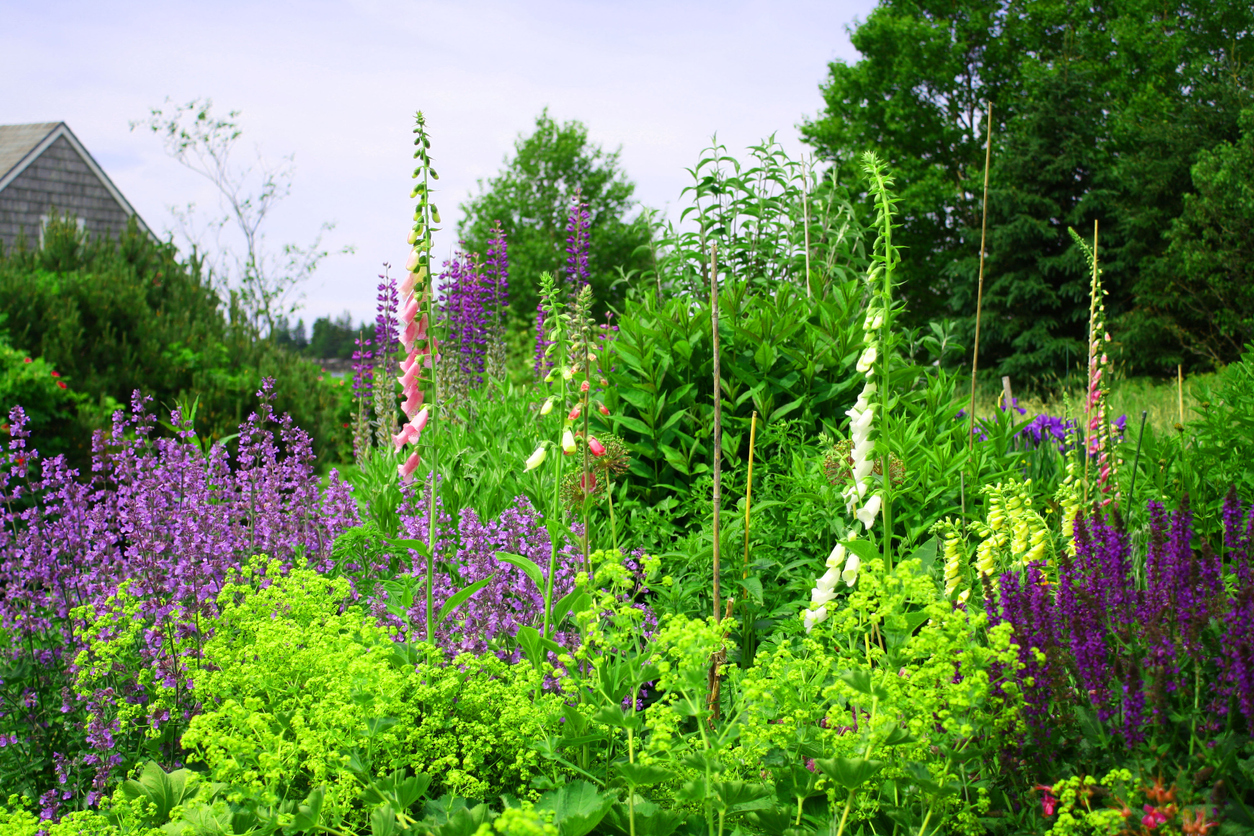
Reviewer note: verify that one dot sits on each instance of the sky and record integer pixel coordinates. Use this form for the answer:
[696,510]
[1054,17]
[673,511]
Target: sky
[335,85]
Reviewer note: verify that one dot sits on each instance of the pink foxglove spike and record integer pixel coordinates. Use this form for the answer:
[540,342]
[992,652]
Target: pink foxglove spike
[406,285]
[412,261]
[409,335]
[407,469]
[410,310]
[410,372]
[412,402]
[422,328]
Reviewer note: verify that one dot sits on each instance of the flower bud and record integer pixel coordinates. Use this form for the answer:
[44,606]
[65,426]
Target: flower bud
[536,459]
[605,410]
[597,448]
[547,407]
[568,442]
[583,387]
[574,413]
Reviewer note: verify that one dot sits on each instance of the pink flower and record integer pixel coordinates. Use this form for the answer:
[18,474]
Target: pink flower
[407,469]
[583,387]
[1049,804]
[1153,817]
[413,430]
[27,360]
[61,383]
[605,410]
[574,413]
[597,448]
[56,374]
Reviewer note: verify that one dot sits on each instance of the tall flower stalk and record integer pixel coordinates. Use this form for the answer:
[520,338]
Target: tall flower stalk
[1096,423]
[384,356]
[496,278]
[866,499]
[417,306]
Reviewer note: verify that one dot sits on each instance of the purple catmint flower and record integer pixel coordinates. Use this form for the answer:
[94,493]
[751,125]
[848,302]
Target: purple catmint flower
[148,536]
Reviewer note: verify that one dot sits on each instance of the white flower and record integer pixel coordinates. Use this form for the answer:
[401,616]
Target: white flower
[568,442]
[850,575]
[866,514]
[819,597]
[837,557]
[867,359]
[536,459]
[813,617]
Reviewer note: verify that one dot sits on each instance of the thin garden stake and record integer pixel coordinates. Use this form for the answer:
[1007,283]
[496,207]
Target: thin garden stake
[718,420]
[979,293]
[753,429]
[805,214]
[1180,391]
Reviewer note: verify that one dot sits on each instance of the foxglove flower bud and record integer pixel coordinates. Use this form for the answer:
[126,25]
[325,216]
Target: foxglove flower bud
[536,459]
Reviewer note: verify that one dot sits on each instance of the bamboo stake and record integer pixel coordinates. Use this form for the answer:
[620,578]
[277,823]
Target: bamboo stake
[805,210]
[718,422]
[753,429]
[979,293]
[1180,390]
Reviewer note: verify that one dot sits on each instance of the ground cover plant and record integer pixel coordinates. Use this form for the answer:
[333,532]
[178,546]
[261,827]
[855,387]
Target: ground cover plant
[747,558]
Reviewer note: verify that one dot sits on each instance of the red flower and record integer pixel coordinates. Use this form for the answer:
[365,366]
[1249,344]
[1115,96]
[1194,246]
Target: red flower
[605,410]
[583,387]
[27,360]
[61,383]
[56,374]
[574,413]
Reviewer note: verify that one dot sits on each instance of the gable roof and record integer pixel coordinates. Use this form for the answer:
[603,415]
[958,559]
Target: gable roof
[21,145]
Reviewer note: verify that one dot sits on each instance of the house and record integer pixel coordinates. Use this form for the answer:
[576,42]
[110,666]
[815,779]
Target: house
[44,168]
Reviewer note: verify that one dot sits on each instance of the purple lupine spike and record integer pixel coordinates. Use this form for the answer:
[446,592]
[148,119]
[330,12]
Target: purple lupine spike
[386,327]
[496,277]
[363,367]
[577,226]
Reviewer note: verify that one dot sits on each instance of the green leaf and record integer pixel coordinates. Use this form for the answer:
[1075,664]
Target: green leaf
[528,566]
[864,549]
[850,773]
[860,680]
[575,602]
[742,796]
[753,586]
[638,775]
[309,812]
[419,546]
[578,807]
[460,598]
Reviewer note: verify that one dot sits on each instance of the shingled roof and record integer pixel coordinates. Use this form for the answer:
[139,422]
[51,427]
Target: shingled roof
[44,168]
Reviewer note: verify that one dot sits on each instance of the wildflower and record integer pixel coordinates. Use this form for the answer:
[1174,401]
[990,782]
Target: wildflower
[596,447]
[583,387]
[407,469]
[536,459]
[1154,816]
[411,431]
[56,374]
[547,407]
[26,360]
[61,383]
[568,442]
[574,413]
[603,409]
[1049,804]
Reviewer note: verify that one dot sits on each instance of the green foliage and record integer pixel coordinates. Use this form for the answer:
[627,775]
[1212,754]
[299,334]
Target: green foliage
[281,639]
[116,317]
[531,197]
[57,413]
[1099,112]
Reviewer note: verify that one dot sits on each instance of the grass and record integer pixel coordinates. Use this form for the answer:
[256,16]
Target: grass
[1128,396]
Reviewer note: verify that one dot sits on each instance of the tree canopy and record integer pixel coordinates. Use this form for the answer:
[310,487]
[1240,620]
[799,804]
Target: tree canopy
[531,197]
[1124,112]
